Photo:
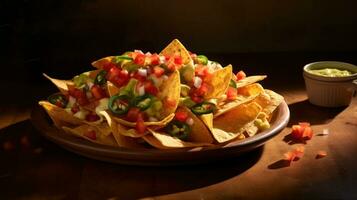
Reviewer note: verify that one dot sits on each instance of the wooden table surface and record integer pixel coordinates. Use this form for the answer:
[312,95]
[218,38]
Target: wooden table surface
[32,167]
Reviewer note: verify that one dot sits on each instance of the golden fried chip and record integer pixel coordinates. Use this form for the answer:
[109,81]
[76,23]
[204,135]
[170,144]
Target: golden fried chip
[101,62]
[250,80]
[93,133]
[231,124]
[177,48]
[62,85]
[165,141]
[219,82]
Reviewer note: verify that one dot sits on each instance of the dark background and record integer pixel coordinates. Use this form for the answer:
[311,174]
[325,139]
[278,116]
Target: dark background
[62,38]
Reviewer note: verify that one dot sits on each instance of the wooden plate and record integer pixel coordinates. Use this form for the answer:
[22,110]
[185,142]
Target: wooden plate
[156,157]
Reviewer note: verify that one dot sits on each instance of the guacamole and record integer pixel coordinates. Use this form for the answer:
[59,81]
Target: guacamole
[330,72]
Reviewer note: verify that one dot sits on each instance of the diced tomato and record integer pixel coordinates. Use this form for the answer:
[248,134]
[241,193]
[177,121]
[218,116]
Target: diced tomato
[231,93]
[302,131]
[154,59]
[140,126]
[171,66]
[321,154]
[139,77]
[169,103]
[197,99]
[113,72]
[133,114]
[289,156]
[167,57]
[178,60]
[158,71]
[150,88]
[118,77]
[98,92]
[80,95]
[92,117]
[91,134]
[203,72]
[107,66]
[139,59]
[297,132]
[240,75]
[201,91]
[181,116]
[75,109]
[295,154]
[307,134]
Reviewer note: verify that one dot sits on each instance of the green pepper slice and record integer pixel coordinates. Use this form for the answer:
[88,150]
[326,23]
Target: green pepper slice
[58,99]
[119,104]
[233,84]
[101,79]
[201,59]
[178,129]
[118,59]
[203,108]
[143,102]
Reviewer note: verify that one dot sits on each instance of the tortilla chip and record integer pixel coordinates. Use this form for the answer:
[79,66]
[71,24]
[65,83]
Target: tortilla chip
[251,90]
[177,48]
[231,124]
[161,123]
[165,141]
[170,90]
[102,134]
[275,101]
[233,104]
[199,132]
[62,85]
[219,82]
[62,118]
[122,140]
[250,80]
[101,62]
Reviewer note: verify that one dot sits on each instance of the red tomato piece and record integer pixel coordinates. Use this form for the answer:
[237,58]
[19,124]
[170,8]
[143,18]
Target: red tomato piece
[231,93]
[321,154]
[133,114]
[140,126]
[307,134]
[75,109]
[297,132]
[181,116]
[113,72]
[289,156]
[92,117]
[98,92]
[150,88]
[197,99]
[107,66]
[154,59]
[299,151]
[167,57]
[178,60]
[158,71]
[240,75]
[139,59]
[201,91]
[91,134]
[80,95]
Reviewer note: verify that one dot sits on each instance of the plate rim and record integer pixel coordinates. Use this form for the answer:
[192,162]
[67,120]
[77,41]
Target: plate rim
[281,116]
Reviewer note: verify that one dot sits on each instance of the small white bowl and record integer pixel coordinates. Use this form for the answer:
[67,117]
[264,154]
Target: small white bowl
[330,91]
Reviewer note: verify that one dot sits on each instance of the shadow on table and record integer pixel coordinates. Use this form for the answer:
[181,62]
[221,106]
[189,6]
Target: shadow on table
[33,167]
[304,111]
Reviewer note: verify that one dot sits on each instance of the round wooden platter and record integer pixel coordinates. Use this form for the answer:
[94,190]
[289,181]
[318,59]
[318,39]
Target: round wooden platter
[157,157]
